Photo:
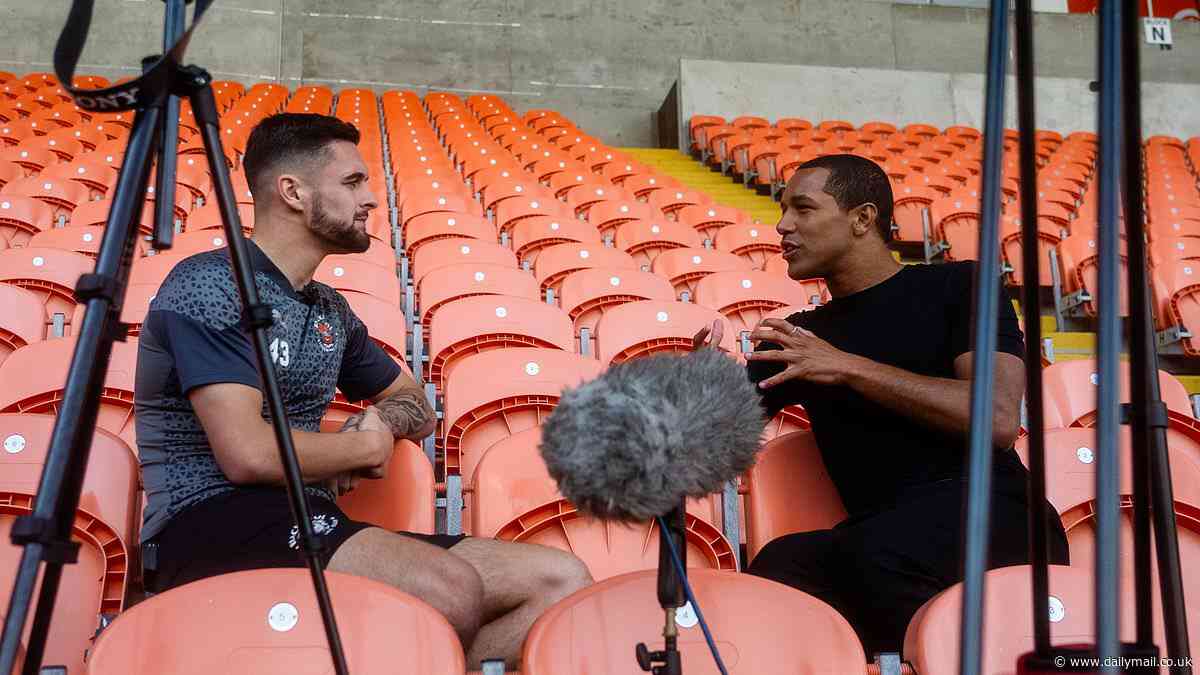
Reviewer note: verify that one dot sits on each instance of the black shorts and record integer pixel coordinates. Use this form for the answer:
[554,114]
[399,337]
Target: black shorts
[248,529]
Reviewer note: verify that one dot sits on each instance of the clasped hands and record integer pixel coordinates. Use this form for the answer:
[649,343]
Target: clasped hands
[376,431]
[805,356]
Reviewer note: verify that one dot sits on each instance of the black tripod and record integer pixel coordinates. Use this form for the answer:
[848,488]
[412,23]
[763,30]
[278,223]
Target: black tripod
[46,534]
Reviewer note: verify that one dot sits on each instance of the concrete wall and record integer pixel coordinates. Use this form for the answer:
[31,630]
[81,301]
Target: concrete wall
[942,99]
[605,63]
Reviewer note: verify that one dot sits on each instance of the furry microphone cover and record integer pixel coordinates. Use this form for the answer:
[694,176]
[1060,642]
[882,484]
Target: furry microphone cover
[630,444]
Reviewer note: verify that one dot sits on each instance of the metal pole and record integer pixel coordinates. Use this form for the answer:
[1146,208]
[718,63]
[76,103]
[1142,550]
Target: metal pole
[1109,341]
[987,297]
[1030,305]
[1151,468]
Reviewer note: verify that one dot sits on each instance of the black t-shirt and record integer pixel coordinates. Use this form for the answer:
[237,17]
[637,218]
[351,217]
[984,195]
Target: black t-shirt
[918,320]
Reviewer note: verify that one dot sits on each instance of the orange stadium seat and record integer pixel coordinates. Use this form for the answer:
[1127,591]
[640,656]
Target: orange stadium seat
[437,254]
[92,591]
[403,500]
[61,196]
[1049,234]
[356,273]
[645,239]
[463,280]
[588,293]
[643,185]
[268,621]
[911,201]
[23,217]
[554,263]
[1070,394]
[753,242]
[511,212]
[153,269]
[786,468]
[635,329]
[484,322]
[205,217]
[589,633]
[85,240]
[744,298]
[957,221]
[97,177]
[672,201]
[513,498]
[684,267]
[931,644]
[384,322]
[430,227]
[531,235]
[609,214]
[491,395]
[35,376]
[49,273]
[1078,261]
[23,322]
[708,219]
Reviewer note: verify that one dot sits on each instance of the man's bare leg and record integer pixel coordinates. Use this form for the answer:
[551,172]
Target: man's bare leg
[446,582]
[520,581]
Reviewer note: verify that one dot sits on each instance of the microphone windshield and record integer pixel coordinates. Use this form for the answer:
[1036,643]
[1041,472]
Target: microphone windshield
[632,443]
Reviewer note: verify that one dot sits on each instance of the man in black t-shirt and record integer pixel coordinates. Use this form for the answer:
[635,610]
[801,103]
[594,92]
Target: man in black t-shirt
[884,373]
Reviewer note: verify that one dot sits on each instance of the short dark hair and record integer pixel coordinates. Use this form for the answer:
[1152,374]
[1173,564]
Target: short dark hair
[854,181]
[287,137]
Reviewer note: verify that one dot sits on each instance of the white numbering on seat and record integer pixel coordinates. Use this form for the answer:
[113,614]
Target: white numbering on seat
[281,352]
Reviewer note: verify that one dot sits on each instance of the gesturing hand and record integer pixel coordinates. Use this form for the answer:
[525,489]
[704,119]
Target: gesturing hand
[806,357]
[343,483]
[709,336]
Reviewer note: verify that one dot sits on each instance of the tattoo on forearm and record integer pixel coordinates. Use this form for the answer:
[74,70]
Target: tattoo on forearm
[406,412]
[353,422]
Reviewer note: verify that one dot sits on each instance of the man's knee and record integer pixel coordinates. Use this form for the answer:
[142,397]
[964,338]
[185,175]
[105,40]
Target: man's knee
[562,573]
[801,560]
[455,589]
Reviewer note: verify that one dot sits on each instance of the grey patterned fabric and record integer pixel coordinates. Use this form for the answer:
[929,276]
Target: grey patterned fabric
[193,336]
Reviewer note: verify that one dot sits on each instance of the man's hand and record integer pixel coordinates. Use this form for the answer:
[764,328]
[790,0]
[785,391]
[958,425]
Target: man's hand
[376,431]
[709,336]
[342,483]
[807,357]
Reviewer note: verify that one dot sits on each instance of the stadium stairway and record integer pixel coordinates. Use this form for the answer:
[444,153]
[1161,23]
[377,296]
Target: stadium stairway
[698,177]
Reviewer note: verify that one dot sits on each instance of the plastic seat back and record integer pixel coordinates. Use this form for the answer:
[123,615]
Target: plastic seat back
[105,525]
[685,267]
[430,227]
[513,498]
[754,242]
[49,273]
[23,217]
[384,322]
[1070,389]
[491,395]
[587,294]
[463,280]
[646,327]
[403,500]
[645,239]
[23,322]
[358,274]
[267,620]
[35,376]
[931,644]
[556,262]
[745,298]
[485,322]
[786,468]
[442,253]
[590,632]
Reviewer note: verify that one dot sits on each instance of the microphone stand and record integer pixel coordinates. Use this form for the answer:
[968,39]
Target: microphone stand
[46,534]
[671,596]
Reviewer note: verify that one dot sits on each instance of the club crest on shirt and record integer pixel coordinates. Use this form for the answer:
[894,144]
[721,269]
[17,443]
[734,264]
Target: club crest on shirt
[327,337]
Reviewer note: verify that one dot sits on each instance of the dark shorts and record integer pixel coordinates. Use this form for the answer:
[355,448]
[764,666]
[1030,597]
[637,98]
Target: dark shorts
[249,529]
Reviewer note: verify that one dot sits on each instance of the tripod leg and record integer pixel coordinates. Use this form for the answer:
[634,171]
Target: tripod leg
[46,535]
